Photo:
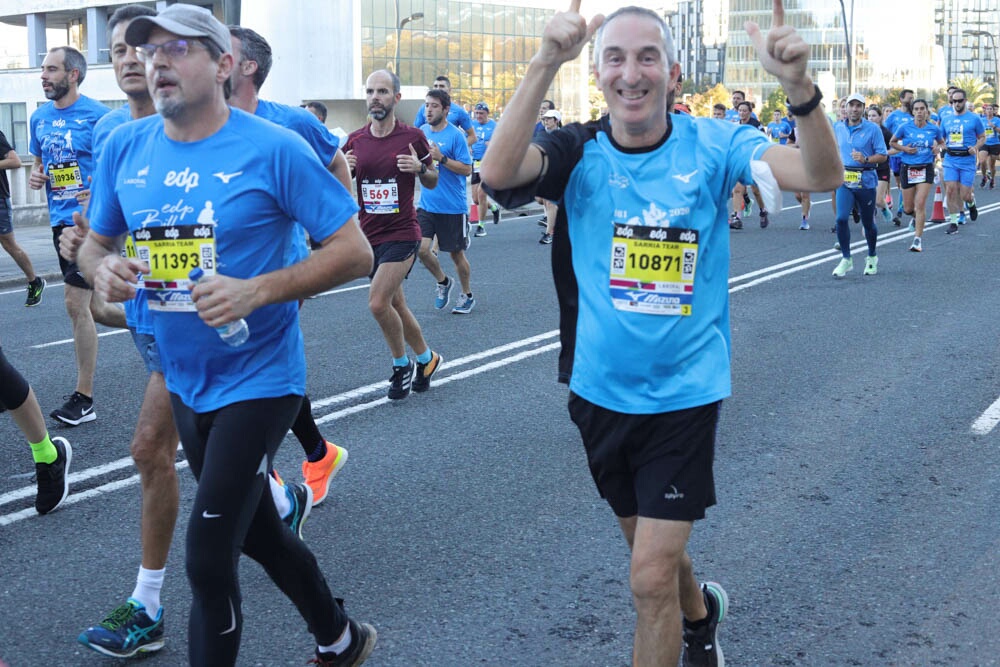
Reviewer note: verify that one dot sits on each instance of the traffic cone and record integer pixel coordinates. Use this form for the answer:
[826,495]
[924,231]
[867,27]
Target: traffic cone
[937,215]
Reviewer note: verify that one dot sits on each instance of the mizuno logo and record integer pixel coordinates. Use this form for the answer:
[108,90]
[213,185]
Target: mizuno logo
[686,178]
[225,178]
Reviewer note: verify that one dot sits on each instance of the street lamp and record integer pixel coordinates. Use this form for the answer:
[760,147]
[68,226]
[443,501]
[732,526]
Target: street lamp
[996,58]
[847,42]
[399,29]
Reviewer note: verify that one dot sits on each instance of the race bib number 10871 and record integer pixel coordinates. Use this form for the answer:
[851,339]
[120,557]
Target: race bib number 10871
[653,268]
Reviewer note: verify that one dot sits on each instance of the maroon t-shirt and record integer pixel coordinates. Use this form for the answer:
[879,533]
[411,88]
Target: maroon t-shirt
[385,194]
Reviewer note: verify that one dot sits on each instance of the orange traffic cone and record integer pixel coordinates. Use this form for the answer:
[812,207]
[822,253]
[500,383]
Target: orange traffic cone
[937,215]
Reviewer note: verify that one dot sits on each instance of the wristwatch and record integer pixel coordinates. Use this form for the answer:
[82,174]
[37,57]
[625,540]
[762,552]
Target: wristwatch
[423,168]
[444,159]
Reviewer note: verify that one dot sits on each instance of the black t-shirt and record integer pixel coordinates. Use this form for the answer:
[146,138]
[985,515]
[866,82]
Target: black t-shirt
[5,148]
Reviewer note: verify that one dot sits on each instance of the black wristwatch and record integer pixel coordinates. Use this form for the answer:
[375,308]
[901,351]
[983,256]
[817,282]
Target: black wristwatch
[423,168]
[444,159]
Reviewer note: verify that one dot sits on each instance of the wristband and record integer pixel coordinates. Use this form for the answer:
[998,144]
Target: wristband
[423,169]
[444,159]
[806,108]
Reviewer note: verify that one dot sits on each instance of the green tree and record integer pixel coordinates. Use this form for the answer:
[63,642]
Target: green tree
[774,102]
[976,90]
[701,103]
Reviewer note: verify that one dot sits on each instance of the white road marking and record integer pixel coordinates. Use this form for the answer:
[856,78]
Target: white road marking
[988,420]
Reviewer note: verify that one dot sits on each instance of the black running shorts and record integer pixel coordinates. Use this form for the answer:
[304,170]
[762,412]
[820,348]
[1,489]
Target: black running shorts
[657,466]
[450,228]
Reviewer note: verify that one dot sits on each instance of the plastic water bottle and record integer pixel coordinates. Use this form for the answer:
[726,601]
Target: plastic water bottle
[235,333]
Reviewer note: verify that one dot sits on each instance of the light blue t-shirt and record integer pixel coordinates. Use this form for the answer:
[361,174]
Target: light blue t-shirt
[866,138]
[484,132]
[450,194]
[991,127]
[922,138]
[961,131]
[457,116]
[649,239]
[776,129]
[323,143]
[136,312]
[63,139]
[247,185]
[897,119]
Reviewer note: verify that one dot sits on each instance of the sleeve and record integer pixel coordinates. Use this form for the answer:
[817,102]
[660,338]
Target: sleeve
[5,146]
[980,128]
[309,198]
[33,145]
[745,144]
[323,143]
[423,149]
[464,121]
[420,118]
[561,150]
[878,142]
[460,147]
[106,217]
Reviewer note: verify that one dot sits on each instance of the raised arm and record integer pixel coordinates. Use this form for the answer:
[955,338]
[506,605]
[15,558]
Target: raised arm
[511,160]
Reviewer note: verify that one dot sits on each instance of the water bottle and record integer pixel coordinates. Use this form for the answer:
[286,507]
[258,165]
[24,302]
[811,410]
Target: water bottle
[235,333]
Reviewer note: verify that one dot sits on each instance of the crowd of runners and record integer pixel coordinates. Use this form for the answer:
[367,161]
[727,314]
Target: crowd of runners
[141,196]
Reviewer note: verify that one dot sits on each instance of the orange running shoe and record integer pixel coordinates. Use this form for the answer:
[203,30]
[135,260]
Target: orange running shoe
[318,475]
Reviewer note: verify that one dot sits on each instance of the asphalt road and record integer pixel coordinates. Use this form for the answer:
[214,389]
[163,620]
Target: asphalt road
[855,523]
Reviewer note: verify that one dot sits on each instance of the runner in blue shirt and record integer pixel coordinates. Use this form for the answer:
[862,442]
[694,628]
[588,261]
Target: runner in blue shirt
[991,149]
[61,143]
[457,116]
[442,210]
[640,260]
[778,130]
[918,142]
[483,126]
[861,149]
[904,114]
[193,192]
[964,135]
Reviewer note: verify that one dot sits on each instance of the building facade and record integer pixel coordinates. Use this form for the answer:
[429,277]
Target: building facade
[698,29]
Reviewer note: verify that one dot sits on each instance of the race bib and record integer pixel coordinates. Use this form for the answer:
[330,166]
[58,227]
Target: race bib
[65,180]
[852,179]
[956,139]
[916,175]
[652,269]
[475,166]
[129,252]
[989,132]
[170,253]
[380,198]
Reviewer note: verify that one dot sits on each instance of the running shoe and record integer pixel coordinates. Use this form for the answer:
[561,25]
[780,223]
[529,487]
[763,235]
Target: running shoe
[916,245]
[871,265]
[422,378]
[846,264]
[464,305]
[991,182]
[53,478]
[912,227]
[319,474]
[363,639]
[495,210]
[543,221]
[961,218]
[805,225]
[443,295]
[855,215]
[982,183]
[973,211]
[399,383]
[735,222]
[481,230]
[77,410]
[35,289]
[126,631]
[747,204]
[701,645]
[301,498]
[898,218]
[546,239]
[952,229]
[886,215]
[764,220]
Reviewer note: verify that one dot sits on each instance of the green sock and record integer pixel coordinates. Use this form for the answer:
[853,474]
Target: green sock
[44,451]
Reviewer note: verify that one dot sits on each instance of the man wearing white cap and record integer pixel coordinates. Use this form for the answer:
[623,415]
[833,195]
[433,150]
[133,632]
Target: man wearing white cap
[861,148]
[193,192]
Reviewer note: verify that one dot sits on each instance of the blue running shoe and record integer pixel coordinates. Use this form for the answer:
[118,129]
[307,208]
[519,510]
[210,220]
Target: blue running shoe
[126,631]
[301,498]
[443,293]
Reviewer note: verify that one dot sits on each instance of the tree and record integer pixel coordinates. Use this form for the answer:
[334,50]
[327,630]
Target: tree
[701,103]
[774,102]
[976,90]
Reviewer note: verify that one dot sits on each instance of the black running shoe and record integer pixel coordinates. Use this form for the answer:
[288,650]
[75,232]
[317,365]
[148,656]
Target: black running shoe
[735,222]
[952,229]
[701,645]
[973,211]
[422,378]
[496,214]
[53,482]
[399,383]
[35,289]
[363,639]
[855,215]
[543,221]
[76,410]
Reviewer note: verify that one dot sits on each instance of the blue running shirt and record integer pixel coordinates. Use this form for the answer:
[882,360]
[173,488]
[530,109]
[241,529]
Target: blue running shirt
[865,137]
[961,131]
[62,138]
[449,196]
[643,280]
[923,138]
[244,198]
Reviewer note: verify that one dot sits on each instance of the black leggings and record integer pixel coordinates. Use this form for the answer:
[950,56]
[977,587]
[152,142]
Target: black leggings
[230,451]
[13,387]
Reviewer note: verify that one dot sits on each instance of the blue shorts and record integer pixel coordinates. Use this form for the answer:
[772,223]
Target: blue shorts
[965,175]
[894,162]
[6,217]
[148,350]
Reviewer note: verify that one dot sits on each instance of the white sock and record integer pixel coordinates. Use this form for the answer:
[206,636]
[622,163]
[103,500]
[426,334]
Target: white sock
[340,645]
[147,589]
[281,500]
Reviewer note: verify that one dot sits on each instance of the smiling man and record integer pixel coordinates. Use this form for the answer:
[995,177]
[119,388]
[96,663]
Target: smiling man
[640,261]
[192,191]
